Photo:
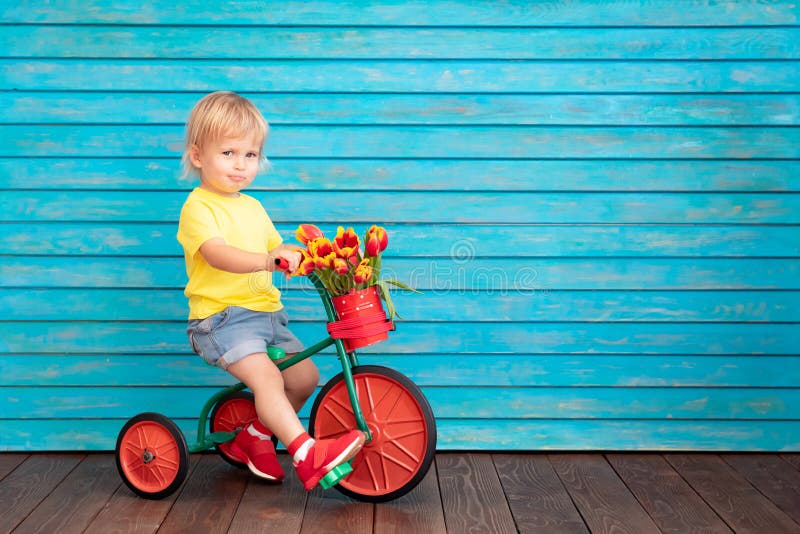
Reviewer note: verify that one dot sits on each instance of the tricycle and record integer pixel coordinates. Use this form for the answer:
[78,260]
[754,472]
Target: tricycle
[152,454]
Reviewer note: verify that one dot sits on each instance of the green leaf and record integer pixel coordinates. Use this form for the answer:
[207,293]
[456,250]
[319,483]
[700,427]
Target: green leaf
[384,291]
[401,285]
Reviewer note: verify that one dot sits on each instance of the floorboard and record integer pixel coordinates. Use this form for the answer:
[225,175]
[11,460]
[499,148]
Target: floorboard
[9,461]
[127,513]
[269,507]
[331,511]
[773,477]
[602,499]
[417,512]
[793,459]
[208,500]
[30,483]
[668,499]
[537,498]
[731,496]
[76,500]
[472,495]
[463,492]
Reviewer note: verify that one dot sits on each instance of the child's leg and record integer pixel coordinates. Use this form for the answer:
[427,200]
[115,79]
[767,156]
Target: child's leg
[272,405]
[299,382]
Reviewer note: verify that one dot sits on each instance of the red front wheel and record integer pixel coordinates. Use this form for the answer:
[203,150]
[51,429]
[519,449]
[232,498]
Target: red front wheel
[152,456]
[402,425]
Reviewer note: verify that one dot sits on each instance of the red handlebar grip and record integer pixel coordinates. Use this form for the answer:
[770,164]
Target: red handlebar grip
[281,263]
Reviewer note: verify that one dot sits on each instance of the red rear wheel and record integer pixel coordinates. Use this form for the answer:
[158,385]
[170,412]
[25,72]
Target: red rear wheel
[402,425]
[231,414]
[152,457]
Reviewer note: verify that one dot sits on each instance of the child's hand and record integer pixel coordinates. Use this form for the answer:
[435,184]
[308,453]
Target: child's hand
[291,258]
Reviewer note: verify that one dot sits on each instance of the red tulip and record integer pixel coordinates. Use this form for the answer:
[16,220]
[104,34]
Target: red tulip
[363,272]
[321,250]
[377,240]
[341,266]
[345,244]
[307,264]
[306,233]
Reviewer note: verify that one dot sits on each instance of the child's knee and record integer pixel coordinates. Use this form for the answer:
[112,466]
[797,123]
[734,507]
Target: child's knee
[304,383]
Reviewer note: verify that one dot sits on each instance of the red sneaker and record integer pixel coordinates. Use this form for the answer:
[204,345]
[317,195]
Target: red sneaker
[324,455]
[255,448]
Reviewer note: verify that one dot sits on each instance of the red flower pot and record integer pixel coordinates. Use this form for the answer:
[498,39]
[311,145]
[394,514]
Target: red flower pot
[361,319]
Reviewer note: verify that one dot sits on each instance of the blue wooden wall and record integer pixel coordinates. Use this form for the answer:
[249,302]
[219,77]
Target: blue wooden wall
[599,199]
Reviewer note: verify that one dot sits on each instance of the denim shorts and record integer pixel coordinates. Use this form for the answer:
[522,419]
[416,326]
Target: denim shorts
[228,336]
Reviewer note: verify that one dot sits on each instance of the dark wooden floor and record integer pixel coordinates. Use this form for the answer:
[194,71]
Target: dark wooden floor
[463,493]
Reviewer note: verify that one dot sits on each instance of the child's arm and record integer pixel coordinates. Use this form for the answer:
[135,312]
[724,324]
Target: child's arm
[225,257]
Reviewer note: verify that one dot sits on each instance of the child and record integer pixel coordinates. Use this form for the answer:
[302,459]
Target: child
[230,247]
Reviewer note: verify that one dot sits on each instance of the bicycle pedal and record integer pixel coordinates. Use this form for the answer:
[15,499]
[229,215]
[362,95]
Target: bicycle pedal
[335,475]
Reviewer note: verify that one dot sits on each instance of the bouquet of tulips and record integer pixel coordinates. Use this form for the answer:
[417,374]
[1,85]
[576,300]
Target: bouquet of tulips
[342,266]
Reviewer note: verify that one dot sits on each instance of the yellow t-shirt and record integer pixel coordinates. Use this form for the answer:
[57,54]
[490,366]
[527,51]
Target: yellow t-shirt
[243,223]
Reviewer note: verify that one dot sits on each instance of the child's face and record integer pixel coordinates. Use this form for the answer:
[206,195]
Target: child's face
[227,165]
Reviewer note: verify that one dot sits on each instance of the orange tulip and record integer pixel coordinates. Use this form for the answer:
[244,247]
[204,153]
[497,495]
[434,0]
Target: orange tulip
[321,250]
[306,233]
[346,243]
[377,240]
[307,264]
[341,266]
[363,272]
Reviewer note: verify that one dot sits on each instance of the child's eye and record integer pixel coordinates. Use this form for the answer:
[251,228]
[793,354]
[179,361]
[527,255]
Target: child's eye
[227,153]
[252,155]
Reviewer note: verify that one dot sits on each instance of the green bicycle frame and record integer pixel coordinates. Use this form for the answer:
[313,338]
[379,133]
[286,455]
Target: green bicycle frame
[348,361]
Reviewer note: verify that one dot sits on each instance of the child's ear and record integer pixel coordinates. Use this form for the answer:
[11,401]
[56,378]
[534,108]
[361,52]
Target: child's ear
[194,156]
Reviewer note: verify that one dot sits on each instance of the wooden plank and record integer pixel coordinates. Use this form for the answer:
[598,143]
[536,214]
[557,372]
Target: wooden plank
[443,370]
[470,434]
[209,498]
[666,497]
[80,304]
[447,13]
[448,174]
[10,461]
[479,338]
[75,502]
[399,76]
[188,42]
[742,507]
[330,511]
[30,483]
[271,507]
[438,278]
[395,141]
[449,240]
[472,496]
[604,502]
[127,513]
[449,402]
[417,512]
[24,107]
[772,477]
[538,500]
[455,207]
[793,459]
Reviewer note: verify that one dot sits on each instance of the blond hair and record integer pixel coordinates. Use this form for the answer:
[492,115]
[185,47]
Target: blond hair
[219,115]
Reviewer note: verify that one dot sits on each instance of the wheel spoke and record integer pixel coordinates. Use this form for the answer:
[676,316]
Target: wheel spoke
[374,406]
[410,454]
[367,393]
[340,407]
[400,395]
[397,461]
[372,474]
[413,432]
